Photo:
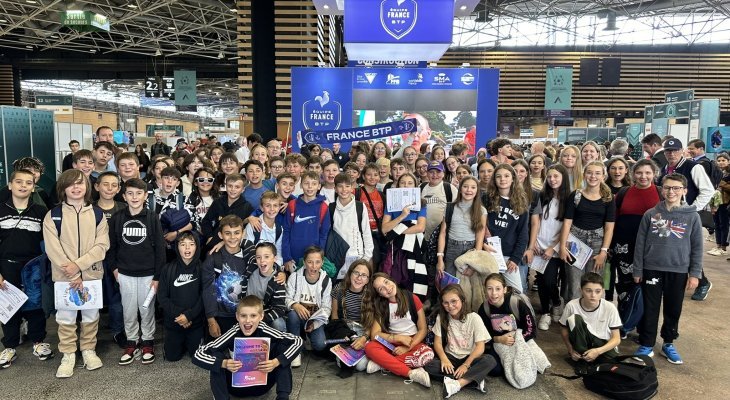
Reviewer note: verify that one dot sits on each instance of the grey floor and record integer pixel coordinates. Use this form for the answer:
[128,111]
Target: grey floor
[704,345]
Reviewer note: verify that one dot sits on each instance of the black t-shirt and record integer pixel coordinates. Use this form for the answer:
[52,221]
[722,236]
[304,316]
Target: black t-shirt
[589,214]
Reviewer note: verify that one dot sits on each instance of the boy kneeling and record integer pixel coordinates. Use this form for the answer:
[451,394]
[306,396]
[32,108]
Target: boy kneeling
[590,324]
[215,356]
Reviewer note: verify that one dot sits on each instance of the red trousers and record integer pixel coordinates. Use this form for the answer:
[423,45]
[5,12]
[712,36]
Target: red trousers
[400,365]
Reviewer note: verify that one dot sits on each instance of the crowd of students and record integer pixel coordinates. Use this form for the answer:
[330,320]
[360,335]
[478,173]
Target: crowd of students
[302,247]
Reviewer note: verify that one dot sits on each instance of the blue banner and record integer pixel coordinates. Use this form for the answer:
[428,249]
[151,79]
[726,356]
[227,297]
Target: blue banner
[372,132]
[416,78]
[386,64]
[558,87]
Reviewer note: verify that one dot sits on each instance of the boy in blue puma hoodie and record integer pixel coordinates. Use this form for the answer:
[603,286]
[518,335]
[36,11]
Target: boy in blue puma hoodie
[307,222]
[668,260]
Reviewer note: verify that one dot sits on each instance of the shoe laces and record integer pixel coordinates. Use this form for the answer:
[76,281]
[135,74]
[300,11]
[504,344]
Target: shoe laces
[129,350]
[67,360]
[6,355]
[42,347]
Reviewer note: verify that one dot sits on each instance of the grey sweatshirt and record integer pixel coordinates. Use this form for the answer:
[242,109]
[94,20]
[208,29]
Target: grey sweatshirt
[669,241]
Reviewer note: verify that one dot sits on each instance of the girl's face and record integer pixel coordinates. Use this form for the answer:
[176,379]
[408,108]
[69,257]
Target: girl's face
[485,173]
[383,171]
[469,190]
[503,179]
[379,150]
[325,156]
[594,176]
[215,156]
[76,192]
[313,263]
[410,155]
[315,151]
[277,167]
[495,292]
[438,155]
[385,287]
[643,176]
[159,166]
[452,164]
[536,165]
[204,182]
[361,161]
[554,179]
[567,158]
[617,171]
[521,173]
[422,169]
[194,166]
[229,167]
[372,177]
[407,182]
[359,278]
[461,173]
[260,154]
[451,304]
[722,162]
[589,154]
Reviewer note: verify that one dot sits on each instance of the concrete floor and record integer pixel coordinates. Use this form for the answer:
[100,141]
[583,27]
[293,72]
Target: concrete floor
[703,345]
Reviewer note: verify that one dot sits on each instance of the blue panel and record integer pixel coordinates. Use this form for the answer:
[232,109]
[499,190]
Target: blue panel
[387,21]
[44,147]
[416,78]
[487,106]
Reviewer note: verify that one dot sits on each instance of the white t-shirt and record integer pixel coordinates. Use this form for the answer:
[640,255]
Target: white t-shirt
[402,325]
[328,194]
[463,336]
[435,198]
[600,321]
[549,232]
[267,235]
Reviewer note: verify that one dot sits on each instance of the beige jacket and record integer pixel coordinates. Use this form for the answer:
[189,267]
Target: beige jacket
[81,241]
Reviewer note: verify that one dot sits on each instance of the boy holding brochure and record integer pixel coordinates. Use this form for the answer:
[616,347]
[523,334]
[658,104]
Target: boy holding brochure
[283,348]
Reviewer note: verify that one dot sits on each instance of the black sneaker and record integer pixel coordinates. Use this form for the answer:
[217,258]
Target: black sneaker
[120,339]
[131,353]
[148,352]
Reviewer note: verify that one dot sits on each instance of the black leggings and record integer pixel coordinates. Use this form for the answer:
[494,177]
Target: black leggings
[547,284]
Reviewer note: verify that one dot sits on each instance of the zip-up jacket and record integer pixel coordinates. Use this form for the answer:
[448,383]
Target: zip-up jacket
[137,246]
[275,297]
[21,233]
[179,291]
[285,347]
[304,228]
[220,209]
[81,241]
[222,275]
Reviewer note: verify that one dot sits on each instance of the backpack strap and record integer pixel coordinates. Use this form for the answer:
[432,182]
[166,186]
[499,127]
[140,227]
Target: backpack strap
[423,185]
[323,208]
[578,196]
[514,305]
[378,221]
[256,236]
[180,201]
[412,307]
[325,283]
[620,196]
[360,209]
[56,217]
[279,231]
[331,207]
[447,219]
[448,192]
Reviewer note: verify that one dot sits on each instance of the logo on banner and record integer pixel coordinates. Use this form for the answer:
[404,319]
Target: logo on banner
[322,112]
[467,79]
[370,76]
[417,80]
[398,17]
[393,80]
[441,79]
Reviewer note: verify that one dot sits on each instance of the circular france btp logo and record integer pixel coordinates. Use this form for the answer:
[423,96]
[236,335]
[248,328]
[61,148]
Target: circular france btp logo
[467,79]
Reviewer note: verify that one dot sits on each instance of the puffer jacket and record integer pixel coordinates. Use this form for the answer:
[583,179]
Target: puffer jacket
[81,241]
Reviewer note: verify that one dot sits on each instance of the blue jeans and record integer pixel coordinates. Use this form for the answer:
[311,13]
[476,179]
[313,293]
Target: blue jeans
[294,325]
[524,271]
[279,324]
[721,225]
[116,317]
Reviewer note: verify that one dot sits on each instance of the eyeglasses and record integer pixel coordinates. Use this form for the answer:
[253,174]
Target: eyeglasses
[673,188]
[360,275]
[204,180]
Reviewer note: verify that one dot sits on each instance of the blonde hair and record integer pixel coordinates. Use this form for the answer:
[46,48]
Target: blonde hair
[605,191]
[577,171]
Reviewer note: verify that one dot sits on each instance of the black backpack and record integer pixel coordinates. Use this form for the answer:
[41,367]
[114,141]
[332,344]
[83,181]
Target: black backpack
[622,380]
[712,169]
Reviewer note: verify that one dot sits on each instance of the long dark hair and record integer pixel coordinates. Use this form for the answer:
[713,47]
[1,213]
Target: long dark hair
[195,193]
[475,211]
[347,282]
[375,308]
[562,193]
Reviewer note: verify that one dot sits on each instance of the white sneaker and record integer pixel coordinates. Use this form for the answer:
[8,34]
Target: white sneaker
[714,252]
[544,323]
[557,311]
[297,362]
[66,369]
[42,351]
[451,387]
[7,357]
[372,367]
[482,386]
[91,360]
[420,376]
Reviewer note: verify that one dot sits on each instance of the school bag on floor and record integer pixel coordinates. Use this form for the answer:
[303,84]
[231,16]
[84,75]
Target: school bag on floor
[623,380]
[631,308]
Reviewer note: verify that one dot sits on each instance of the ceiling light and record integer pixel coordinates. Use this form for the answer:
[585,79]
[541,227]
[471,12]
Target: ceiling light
[127,41]
[233,10]
[131,5]
[221,55]
[200,44]
[31,1]
[326,7]
[92,50]
[171,28]
[462,8]
[3,21]
[158,53]
[28,47]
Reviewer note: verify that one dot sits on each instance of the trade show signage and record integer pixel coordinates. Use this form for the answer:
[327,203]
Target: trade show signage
[185,88]
[387,64]
[321,98]
[413,30]
[682,95]
[57,104]
[558,87]
[421,78]
[372,132]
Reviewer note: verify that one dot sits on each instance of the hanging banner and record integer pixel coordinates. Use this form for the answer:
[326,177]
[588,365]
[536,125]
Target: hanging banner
[372,132]
[558,87]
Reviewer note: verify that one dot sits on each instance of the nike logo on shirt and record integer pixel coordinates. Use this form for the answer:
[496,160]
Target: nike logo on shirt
[184,279]
[299,219]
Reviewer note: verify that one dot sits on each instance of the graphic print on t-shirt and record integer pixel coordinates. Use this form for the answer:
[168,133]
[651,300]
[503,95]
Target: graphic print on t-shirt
[134,232]
[503,322]
[503,215]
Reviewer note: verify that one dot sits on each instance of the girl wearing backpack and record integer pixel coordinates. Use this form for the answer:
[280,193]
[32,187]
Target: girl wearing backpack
[459,342]
[553,198]
[503,313]
[589,215]
[464,231]
[508,208]
[397,326]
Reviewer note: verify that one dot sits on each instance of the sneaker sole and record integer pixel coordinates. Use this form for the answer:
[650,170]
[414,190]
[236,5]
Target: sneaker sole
[680,362]
[46,357]
[9,363]
[136,356]
[64,376]
[145,362]
[640,360]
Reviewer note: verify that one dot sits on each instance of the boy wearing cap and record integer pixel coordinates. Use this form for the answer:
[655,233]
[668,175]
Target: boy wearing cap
[698,194]
[436,193]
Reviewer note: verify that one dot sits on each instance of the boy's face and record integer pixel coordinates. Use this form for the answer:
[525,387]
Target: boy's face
[76,192]
[316,167]
[22,185]
[234,189]
[294,168]
[231,236]
[265,260]
[313,263]
[344,190]
[108,187]
[270,208]
[353,174]
[372,177]
[135,198]
[277,167]
[169,184]
[592,293]
[254,174]
[74,147]
[249,318]
[397,170]
[186,248]
[102,155]
[330,172]
[85,165]
[128,169]
[310,187]
[286,187]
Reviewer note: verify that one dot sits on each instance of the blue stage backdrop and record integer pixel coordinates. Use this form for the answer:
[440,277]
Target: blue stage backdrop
[450,104]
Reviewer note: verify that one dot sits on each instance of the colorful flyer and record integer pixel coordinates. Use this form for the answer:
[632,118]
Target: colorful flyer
[89,297]
[387,344]
[11,300]
[447,279]
[250,352]
[348,355]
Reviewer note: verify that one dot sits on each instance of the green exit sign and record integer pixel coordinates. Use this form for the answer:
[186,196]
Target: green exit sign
[85,21]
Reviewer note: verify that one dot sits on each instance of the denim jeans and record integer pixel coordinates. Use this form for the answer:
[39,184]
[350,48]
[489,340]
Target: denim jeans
[295,325]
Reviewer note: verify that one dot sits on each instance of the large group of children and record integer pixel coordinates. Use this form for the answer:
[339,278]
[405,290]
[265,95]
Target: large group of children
[244,243]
